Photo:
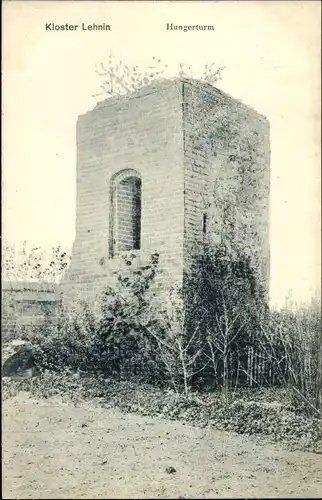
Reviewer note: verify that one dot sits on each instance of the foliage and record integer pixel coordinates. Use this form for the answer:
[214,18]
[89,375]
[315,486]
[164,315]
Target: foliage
[179,348]
[31,264]
[159,337]
[291,340]
[110,340]
[117,78]
[222,287]
[215,331]
[248,413]
[68,344]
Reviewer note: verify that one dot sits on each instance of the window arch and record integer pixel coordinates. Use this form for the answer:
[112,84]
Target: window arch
[125,223]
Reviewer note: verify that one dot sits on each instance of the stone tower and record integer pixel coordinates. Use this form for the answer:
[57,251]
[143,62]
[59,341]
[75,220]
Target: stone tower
[157,170]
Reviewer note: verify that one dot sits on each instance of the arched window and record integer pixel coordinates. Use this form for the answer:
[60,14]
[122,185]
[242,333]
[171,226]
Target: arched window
[125,225]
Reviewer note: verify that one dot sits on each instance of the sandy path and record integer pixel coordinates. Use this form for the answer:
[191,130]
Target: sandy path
[52,450]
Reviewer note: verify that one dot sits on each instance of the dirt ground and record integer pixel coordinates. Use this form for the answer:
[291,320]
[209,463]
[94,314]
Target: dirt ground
[54,450]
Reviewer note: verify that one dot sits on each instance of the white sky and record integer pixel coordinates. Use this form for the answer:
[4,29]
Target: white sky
[271,51]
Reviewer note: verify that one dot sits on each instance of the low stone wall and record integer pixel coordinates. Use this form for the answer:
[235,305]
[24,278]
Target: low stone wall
[27,306]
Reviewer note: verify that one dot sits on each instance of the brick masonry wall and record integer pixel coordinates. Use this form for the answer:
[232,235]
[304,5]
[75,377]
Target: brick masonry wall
[26,306]
[144,133]
[227,162]
[184,140]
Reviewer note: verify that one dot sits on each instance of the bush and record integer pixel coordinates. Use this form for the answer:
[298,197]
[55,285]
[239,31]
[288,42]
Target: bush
[294,342]
[227,303]
[112,341]
[216,331]
[32,264]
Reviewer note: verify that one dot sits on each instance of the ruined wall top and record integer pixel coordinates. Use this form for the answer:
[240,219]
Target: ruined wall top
[160,85]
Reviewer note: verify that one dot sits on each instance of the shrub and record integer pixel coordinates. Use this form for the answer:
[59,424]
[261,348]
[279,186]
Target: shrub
[226,301]
[69,344]
[180,349]
[113,340]
[32,264]
[214,331]
[293,340]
